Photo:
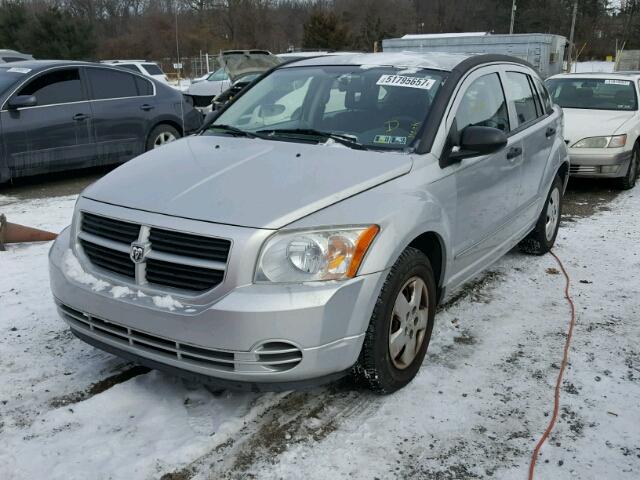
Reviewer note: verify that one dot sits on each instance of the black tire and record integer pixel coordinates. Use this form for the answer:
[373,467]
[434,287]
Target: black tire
[163,129]
[539,242]
[375,366]
[629,180]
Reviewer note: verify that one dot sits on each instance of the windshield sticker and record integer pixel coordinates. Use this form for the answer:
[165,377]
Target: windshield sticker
[19,70]
[403,81]
[617,82]
[390,140]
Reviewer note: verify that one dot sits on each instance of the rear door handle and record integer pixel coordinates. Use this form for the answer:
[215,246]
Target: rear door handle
[146,107]
[514,152]
[79,117]
[550,132]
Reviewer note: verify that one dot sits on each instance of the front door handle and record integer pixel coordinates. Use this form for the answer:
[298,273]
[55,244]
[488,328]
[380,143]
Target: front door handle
[146,107]
[513,153]
[550,132]
[79,117]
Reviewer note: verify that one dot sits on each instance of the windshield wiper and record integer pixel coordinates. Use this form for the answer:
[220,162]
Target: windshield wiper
[238,132]
[343,139]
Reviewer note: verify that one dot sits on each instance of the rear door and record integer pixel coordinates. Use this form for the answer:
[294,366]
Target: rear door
[486,185]
[56,133]
[122,104]
[535,126]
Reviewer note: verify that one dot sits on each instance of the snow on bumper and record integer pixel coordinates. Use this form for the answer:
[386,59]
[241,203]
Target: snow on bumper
[252,334]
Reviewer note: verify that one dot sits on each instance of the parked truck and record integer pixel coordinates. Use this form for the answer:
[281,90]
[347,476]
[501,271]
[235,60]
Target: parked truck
[544,51]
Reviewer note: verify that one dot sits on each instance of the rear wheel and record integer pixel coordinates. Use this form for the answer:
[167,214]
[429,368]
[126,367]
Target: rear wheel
[400,329]
[629,180]
[161,135]
[543,236]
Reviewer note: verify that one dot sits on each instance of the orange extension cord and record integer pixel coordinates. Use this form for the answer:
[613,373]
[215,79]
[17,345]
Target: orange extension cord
[565,358]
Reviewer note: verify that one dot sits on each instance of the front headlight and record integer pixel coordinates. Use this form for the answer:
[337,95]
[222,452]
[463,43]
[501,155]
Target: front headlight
[313,255]
[615,141]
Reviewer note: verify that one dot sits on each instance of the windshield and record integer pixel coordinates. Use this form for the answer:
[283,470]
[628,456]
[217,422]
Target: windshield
[379,108]
[9,76]
[593,93]
[218,76]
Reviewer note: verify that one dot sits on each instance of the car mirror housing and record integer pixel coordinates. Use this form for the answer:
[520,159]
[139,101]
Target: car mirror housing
[22,101]
[474,141]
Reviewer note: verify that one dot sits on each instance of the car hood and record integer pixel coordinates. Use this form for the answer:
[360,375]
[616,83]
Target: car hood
[245,182]
[583,123]
[241,62]
[207,88]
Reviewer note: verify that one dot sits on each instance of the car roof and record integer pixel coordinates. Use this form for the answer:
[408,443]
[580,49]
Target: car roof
[605,75]
[43,64]
[38,65]
[430,60]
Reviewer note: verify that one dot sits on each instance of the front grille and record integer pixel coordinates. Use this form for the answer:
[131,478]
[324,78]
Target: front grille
[195,246]
[116,230]
[113,260]
[268,357]
[182,276]
[178,260]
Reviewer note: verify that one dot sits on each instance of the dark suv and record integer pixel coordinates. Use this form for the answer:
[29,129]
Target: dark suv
[59,115]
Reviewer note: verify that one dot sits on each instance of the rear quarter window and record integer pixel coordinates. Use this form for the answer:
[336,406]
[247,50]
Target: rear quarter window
[107,83]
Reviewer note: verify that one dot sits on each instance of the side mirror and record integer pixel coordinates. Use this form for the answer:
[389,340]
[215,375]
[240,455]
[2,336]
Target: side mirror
[474,141]
[22,101]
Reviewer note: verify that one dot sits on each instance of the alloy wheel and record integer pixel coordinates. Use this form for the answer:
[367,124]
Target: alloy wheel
[408,323]
[163,138]
[553,214]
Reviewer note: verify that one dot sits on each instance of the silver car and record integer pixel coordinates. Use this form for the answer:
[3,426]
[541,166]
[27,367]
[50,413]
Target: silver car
[311,230]
[602,123]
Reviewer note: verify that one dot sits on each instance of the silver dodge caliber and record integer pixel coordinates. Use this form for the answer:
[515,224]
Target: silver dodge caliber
[316,222]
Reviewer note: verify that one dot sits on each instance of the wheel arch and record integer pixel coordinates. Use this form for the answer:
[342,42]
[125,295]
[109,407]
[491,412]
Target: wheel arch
[432,245]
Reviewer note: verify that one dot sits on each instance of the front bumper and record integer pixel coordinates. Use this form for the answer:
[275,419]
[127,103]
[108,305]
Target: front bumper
[599,165]
[254,334]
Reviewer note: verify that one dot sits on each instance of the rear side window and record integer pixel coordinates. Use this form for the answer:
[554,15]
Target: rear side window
[484,105]
[144,86]
[60,86]
[152,69]
[520,95]
[107,84]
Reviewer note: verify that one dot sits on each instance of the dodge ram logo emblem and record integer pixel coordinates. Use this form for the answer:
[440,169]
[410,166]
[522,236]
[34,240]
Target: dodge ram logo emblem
[138,252]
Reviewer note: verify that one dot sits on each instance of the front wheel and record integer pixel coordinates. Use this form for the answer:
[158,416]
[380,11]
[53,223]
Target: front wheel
[400,328]
[543,236]
[161,135]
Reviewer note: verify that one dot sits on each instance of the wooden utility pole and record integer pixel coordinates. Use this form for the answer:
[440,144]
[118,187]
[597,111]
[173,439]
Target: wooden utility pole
[573,29]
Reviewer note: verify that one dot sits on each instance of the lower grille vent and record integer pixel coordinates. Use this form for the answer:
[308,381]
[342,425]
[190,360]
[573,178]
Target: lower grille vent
[269,357]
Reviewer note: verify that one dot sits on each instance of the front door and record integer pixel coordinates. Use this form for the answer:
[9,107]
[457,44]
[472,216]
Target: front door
[56,133]
[487,185]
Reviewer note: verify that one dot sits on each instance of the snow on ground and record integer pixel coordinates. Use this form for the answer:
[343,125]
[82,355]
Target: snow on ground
[475,410]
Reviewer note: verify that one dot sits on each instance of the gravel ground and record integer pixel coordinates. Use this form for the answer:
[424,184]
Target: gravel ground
[475,410]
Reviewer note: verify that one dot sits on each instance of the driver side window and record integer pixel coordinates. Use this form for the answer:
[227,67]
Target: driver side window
[484,104]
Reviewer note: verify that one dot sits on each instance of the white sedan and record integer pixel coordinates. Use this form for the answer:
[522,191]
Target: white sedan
[602,123]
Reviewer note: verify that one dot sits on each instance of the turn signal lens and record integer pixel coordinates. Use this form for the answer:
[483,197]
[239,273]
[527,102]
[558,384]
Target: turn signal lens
[617,141]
